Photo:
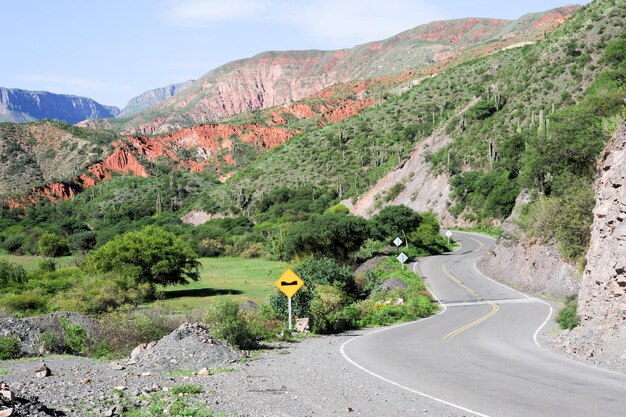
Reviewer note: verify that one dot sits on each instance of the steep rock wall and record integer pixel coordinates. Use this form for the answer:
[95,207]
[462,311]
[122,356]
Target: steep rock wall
[601,335]
[528,264]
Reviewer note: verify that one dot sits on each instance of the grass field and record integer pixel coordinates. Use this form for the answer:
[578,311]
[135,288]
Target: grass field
[236,278]
[31,263]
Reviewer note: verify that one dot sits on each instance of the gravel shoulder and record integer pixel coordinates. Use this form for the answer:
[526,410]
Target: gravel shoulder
[306,378]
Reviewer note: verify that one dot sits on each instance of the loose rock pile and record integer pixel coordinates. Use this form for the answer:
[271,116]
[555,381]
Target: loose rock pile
[14,404]
[188,347]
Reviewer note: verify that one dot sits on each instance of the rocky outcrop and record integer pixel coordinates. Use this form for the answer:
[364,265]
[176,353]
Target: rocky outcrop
[151,98]
[528,264]
[25,106]
[279,78]
[412,183]
[601,335]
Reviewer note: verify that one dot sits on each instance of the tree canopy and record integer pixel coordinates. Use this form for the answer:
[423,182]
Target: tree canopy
[151,255]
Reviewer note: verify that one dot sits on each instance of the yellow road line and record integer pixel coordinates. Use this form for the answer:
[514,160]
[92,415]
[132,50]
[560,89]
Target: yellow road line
[455,279]
[494,310]
[494,306]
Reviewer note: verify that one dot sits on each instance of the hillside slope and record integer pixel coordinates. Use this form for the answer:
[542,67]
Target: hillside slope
[26,106]
[34,153]
[279,78]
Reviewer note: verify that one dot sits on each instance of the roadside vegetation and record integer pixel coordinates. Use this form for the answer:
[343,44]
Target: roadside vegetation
[148,281]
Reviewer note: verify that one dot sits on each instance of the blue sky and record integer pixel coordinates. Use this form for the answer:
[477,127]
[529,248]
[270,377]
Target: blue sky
[114,50]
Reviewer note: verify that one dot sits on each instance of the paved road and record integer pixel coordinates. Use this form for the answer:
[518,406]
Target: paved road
[480,355]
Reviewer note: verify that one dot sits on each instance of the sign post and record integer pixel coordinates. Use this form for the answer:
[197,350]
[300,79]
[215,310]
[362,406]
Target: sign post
[448,234]
[402,258]
[289,283]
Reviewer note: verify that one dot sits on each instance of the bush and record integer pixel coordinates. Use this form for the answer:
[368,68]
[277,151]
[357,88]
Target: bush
[29,302]
[9,348]
[327,302]
[227,321]
[75,337]
[568,317]
[11,273]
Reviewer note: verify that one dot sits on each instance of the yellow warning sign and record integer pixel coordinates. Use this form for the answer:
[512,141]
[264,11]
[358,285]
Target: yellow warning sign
[289,283]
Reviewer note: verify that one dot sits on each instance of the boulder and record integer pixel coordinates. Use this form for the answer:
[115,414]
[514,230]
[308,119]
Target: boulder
[393,284]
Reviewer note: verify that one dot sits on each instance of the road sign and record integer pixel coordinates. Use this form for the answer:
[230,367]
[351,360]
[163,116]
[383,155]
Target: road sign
[397,241]
[289,283]
[402,257]
[448,233]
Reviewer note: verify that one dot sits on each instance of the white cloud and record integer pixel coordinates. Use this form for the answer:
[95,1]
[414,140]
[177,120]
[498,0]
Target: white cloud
[356,21]
[204,12]
[342,22]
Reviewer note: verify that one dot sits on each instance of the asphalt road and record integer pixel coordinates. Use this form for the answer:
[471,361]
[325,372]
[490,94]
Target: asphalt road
[479,355]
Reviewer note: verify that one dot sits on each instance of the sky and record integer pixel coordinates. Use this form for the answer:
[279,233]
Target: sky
[113,50]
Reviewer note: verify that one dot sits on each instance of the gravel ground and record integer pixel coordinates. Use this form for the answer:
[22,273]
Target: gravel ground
[307,378]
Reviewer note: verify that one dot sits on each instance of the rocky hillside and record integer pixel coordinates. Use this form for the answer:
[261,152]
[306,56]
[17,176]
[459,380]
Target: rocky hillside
[153,97]
[279,78]
[26,106]
[34,153]
[601,335]
[214,148]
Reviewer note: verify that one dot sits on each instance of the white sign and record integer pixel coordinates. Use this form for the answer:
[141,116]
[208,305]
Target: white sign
[448,233]
[402,257]
[397,241]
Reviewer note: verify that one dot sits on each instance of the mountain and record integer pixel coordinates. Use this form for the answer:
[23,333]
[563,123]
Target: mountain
[153,97]
[280,78]
[35,153]
[26,106]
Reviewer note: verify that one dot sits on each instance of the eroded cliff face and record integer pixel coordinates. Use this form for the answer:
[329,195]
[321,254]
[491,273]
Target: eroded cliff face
[528,264]
[601,335]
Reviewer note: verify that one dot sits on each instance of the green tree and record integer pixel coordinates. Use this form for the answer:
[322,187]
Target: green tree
[51,246]
[392,222]
[149,255]
[330,235]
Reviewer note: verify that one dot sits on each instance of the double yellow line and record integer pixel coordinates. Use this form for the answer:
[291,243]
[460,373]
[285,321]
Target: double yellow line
[494,306]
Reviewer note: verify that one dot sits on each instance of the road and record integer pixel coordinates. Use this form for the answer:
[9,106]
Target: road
[479,355]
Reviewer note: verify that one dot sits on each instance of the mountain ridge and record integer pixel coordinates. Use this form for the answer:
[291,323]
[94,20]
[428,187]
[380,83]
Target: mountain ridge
[17,105]
[277,78]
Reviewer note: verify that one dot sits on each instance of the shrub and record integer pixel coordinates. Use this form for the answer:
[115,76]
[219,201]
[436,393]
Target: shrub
[325,306]
[568,317]
[11,273]
[74,336]
[227,321]
[28,302]
[9,348]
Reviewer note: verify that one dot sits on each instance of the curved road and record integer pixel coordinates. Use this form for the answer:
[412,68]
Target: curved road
[479,355]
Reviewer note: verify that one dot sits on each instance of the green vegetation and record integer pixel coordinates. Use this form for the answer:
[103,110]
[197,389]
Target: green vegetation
[187,389]
[9,348]
[568,318]
[228,322]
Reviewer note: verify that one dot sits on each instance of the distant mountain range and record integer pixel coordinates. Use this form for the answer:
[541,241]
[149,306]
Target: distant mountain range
[278,78]
[153,97]
[25,106]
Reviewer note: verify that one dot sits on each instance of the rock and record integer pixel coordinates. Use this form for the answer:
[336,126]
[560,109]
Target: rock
[204,372]
[392,284]
[7,394]
[303,325]
[85,381]
[43,372]
[250,305]
[398,301]
[6,413]
[137,351]
[119,388]
[114,411]
[116,366]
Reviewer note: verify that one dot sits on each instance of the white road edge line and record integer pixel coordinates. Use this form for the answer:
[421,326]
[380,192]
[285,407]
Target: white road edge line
[550,313]
[411,390]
